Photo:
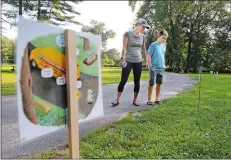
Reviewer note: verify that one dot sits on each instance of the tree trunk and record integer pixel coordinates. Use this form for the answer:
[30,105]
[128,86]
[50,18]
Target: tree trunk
[39,10]
[188,55]
[197,54]
[171,54]
[20,7]
[190,35]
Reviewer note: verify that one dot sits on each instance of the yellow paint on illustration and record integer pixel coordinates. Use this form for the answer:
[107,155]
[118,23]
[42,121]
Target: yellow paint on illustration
[46,108]
[47,57]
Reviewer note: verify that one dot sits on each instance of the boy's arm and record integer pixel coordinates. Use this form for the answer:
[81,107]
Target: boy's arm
[148,57]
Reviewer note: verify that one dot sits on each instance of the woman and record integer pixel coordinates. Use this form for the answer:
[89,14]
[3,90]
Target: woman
[131,59]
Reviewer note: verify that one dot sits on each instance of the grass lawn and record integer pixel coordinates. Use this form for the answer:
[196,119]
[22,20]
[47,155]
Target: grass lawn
[113,75]
[109,76]
[176,129]
[8,80]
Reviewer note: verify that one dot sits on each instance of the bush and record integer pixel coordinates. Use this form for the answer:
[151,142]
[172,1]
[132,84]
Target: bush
[110,65]
[169,69]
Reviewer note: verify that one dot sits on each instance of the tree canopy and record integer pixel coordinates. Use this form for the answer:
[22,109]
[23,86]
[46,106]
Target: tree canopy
[199,32]
[51,11]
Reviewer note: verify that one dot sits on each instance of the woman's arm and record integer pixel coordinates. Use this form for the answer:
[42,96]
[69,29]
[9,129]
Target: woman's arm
[125,45]
[144,51]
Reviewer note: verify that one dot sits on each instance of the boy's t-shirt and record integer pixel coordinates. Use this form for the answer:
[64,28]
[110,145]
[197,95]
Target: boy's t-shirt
[157,52]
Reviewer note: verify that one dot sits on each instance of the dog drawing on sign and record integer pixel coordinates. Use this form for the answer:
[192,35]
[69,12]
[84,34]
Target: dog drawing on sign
[90,96]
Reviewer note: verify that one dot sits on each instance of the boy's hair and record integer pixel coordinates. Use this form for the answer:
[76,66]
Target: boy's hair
[160,33]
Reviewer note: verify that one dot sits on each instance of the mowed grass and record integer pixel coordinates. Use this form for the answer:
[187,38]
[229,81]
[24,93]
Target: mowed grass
[113,75]
[174,130]
[8,80]
[109,76]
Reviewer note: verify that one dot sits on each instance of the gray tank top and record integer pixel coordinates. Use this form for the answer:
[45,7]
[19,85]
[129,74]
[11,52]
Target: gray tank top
[134,47]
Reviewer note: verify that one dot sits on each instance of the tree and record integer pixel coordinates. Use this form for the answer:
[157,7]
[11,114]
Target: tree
[114,55]
[58,12]
[220,57]
[105,59]
[8,49]
[51,11]
[165,15]
[99,28]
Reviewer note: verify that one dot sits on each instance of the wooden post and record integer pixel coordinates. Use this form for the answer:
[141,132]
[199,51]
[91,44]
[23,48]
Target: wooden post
[73,114]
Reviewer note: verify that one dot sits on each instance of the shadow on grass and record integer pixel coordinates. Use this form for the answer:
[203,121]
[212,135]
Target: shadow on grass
[7,71]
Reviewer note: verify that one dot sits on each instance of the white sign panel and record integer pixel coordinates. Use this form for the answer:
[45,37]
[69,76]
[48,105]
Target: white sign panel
[41,78]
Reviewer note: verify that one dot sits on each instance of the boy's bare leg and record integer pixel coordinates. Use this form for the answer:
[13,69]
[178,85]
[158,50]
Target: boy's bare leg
[150,89]
[157,91]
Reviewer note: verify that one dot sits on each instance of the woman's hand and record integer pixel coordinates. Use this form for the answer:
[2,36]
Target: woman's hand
[122,62]
[148,66]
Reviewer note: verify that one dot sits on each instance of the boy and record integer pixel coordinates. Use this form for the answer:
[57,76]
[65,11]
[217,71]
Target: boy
[156,65]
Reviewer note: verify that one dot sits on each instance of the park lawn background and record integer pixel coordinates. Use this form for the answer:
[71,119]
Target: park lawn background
[175,130]
[8,80]
[109,76]
[113,74]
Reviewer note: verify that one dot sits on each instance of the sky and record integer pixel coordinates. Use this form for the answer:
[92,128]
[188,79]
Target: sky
[116,15]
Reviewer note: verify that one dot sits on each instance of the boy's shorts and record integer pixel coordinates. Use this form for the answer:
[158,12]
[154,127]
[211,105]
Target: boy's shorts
[156,76]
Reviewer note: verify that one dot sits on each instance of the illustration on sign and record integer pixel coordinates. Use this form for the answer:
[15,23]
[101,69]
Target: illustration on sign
[42,74]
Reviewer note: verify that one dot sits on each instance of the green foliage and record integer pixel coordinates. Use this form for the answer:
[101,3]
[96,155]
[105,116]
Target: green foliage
[111,57]
[191,26]
[112,75]
[54,12]
[8,50]
[173,130]
[8,81]
[105,58]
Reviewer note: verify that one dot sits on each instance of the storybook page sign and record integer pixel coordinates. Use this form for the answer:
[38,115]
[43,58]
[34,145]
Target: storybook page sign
[41,78]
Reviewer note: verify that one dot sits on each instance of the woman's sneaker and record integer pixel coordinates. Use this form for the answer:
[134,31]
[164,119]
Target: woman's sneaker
[115,103]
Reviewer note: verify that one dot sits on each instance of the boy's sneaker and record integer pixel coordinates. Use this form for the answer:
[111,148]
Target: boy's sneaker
[157,102]
[150,103]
